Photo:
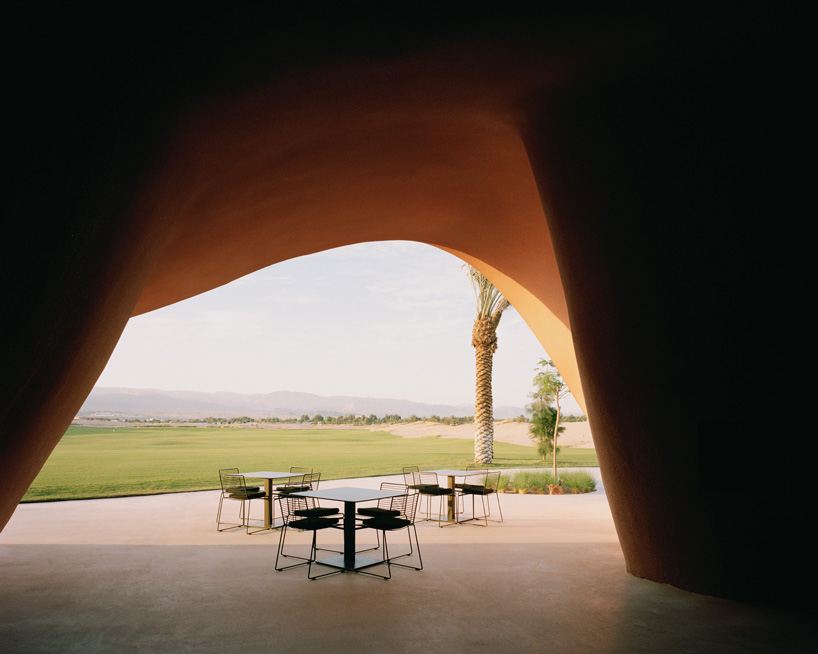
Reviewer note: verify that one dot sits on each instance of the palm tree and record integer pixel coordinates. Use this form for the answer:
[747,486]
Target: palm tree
[490,307]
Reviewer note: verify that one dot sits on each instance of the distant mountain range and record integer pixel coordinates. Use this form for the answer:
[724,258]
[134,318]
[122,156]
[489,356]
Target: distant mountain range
[153,403]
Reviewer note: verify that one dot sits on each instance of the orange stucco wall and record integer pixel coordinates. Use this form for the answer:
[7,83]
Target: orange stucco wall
[578,160]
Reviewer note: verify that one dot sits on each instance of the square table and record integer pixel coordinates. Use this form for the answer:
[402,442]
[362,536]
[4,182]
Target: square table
[268,476]
[350,496]
[451,514]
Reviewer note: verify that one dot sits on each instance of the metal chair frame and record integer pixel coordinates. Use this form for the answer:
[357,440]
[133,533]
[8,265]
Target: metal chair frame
[294,484]
[296,514]
[409,480]
[428,485]
[307,481]
[406,505]
[488,487]
[459,485]
[384,505]
[234,487]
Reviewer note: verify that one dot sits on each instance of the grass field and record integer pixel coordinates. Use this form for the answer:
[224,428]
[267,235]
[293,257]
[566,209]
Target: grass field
[92,462]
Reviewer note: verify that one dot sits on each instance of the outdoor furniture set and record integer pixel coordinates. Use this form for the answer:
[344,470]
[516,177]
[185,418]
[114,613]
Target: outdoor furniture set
[397,506]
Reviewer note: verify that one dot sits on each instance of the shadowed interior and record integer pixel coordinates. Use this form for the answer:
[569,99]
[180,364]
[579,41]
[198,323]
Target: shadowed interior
[590,165]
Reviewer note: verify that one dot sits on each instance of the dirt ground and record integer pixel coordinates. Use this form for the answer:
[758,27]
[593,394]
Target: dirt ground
[576,434]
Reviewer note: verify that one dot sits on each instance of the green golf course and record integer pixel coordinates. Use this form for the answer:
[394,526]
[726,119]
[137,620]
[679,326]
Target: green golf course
[96,462]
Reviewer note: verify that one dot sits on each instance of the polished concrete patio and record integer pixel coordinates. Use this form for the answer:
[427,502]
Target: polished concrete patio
[152,574]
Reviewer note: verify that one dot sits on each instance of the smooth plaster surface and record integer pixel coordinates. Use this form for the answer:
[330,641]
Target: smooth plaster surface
[151,574]
[601,167]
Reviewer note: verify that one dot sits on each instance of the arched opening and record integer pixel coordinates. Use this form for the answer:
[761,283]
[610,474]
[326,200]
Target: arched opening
[623,139]
[386,320]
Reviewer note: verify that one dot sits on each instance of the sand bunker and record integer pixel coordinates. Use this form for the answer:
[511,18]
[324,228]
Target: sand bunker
[576,434]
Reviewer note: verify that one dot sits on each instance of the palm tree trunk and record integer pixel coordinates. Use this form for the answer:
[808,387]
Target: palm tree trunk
[483,407]
[490,307]
[484,340]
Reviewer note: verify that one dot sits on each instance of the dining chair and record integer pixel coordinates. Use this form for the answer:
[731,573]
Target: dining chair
[409,480]
[296,513]
[458,486]
[304,482]
[382,509]
[384,506]
[294,484]
[428,486]
[486,486]
[234,487]
[387,521]
[470,466]
[408,476]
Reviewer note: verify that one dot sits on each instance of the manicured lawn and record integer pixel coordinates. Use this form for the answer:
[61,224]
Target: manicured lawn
[94,462]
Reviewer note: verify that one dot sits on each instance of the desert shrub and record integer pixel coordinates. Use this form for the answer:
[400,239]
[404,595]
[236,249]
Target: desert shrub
[573,481]
[578,481]
[520,481]
[532,481]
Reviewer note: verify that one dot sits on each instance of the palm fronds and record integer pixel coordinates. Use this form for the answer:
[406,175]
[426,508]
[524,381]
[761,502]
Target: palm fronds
[489,299]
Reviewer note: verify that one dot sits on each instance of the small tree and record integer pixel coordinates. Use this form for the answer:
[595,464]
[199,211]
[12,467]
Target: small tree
[549,389]
[543,421]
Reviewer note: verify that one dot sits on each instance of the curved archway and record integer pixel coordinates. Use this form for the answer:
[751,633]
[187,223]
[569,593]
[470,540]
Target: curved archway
[551,152]
[448,176]
[384,319]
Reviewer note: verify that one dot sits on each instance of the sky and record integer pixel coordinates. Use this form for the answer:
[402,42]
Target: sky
[386,319]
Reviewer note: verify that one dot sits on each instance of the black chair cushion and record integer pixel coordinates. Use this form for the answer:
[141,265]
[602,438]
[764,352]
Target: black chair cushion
[292,489]
[435,490]
[477,490]
[316,512]
[238,495]
[386,523]
[375,512]
[238,489]
[313,523]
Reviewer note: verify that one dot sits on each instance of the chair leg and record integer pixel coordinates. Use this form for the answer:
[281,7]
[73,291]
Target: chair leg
[390,561]
[411,551]
[219,514]
[385,560]
[486,499]
[428,517]
[219,522]
[499,508]
[386,556]
[308,561]
[440,522]
[262,527]
[420,506]
[428,510]
[486,502]
[313,557]
[280,552]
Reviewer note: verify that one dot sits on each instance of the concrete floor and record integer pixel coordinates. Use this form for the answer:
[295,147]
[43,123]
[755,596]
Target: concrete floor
[152,574]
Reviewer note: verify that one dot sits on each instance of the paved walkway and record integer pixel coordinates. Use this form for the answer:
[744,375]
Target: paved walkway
[152,574]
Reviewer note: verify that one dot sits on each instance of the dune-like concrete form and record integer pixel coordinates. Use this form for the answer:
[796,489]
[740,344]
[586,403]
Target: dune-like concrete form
[602,169]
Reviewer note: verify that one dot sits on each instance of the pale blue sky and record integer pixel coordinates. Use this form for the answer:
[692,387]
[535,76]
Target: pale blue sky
[387,319]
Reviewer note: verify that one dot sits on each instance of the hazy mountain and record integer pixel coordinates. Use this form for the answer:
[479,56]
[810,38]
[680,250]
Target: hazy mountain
[152,403]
